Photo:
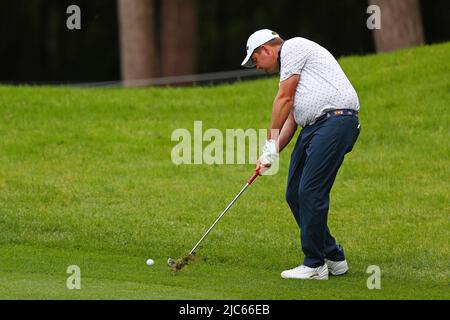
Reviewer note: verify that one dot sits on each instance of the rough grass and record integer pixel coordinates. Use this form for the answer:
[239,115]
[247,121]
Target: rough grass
[86,179]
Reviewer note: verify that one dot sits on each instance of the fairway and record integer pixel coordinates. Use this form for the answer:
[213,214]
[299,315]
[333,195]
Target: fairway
[86,179]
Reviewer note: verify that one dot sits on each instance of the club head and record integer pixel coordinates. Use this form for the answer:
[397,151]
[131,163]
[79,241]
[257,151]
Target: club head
[171,263]
[180,264]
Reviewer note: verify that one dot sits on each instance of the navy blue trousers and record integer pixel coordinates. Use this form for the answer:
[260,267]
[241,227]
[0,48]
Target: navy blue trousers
[315,161]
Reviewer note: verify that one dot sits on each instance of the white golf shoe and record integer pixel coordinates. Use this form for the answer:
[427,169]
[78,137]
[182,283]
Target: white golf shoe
[304,272]
[337,268]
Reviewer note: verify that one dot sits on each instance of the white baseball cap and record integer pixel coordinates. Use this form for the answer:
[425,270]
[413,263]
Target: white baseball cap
[257,39]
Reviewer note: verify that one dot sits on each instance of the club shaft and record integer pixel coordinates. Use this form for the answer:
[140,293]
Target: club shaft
[221,215]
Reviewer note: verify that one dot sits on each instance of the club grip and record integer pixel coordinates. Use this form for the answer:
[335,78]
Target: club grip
[255,175]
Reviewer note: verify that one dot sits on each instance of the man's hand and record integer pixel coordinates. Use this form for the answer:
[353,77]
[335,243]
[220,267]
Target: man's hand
[261,167]
[269,156]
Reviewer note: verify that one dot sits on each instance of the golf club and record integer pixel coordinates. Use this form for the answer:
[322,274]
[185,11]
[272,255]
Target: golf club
[178,265]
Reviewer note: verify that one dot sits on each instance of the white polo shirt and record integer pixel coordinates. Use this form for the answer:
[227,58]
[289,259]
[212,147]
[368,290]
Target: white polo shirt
[323,85]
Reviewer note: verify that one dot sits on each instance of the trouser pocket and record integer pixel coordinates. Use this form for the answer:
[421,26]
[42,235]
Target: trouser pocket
[355,134]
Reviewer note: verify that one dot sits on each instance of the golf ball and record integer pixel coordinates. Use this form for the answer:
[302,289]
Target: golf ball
[150,262]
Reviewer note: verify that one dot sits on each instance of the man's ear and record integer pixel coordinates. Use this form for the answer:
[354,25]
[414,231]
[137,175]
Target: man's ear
[270,50]
[265,49]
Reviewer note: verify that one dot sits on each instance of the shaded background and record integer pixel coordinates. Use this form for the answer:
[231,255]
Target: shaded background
[36,46]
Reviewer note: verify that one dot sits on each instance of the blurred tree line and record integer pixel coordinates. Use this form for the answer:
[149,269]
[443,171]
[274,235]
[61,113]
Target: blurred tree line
[187,36]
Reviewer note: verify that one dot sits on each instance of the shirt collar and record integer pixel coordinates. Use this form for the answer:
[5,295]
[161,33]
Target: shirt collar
[279,56]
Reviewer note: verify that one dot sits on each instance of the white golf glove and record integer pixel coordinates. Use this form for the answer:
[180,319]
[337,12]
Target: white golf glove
[270,153]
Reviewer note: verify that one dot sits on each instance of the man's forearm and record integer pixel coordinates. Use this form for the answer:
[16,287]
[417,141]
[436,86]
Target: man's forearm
[287,132]
[280,111]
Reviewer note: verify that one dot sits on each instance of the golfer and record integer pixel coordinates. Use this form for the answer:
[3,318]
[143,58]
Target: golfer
[315,94]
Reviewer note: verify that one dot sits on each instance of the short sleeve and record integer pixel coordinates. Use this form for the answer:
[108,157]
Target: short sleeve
[293,59]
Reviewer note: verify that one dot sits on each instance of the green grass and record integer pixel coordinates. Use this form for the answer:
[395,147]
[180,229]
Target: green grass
[86,179]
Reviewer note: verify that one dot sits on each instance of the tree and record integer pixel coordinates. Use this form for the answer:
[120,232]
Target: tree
[401,25]
[178,37]
[137,41]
